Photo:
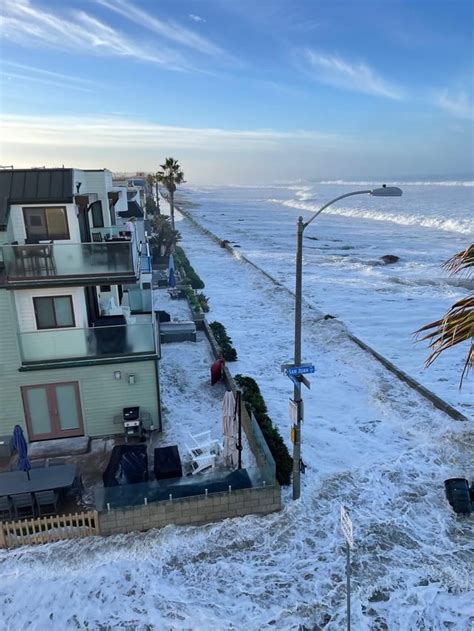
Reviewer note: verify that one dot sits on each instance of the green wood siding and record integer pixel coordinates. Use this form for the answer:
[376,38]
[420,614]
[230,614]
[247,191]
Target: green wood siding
[102,396]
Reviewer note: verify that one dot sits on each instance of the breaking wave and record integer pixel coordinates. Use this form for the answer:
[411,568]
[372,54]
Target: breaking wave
[404,183]
[463,226]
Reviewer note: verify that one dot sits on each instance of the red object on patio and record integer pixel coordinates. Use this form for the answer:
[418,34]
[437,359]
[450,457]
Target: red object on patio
[216,370]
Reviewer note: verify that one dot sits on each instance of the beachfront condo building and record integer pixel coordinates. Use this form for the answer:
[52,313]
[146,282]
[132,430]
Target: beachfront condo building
[78,338]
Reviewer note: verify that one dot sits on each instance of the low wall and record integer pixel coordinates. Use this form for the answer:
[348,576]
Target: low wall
[244,415]
[442,405]
[197,510]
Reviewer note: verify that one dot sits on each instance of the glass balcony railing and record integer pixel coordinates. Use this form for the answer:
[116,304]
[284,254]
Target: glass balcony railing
[202,484]
[42,261]
[86,344]
[145,264]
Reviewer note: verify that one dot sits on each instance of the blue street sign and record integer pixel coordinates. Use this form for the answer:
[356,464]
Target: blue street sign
[304,369]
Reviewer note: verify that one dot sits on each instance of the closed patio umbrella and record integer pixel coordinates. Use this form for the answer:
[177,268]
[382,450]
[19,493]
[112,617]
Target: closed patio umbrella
[229,429]
[171,278]
[21,448]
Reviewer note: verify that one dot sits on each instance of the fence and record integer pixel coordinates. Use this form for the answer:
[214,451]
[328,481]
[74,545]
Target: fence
[47,529]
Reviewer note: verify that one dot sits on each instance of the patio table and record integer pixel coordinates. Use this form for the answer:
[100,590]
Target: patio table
[47,479]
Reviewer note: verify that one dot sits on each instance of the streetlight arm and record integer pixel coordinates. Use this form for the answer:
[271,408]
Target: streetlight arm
[332,202]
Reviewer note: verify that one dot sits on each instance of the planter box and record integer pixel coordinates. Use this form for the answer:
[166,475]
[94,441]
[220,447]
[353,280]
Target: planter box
[177,332]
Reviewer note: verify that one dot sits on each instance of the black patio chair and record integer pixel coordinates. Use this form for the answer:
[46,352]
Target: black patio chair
[23,505]
[5,508]
[47,502]
[76,488]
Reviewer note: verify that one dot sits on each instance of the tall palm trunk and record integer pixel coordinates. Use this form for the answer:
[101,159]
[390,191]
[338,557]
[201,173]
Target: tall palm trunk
[157,192]
[172,208]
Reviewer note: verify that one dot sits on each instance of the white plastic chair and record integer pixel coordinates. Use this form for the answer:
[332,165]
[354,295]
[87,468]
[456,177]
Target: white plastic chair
[203,452]
[201,463]
[205,443]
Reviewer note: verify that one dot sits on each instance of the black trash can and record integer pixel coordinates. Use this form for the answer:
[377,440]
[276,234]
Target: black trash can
[457,494]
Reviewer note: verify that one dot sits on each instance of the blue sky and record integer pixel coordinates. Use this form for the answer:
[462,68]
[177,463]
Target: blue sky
[240,90]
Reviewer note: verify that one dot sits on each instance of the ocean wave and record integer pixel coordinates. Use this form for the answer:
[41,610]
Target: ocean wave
[464,226]
[404,183]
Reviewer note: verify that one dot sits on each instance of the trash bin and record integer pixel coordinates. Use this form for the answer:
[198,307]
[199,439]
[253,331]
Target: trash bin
[457,494]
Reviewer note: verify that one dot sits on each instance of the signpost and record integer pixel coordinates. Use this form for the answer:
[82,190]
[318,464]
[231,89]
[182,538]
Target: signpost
[293,411]
[296,373]
[346,528]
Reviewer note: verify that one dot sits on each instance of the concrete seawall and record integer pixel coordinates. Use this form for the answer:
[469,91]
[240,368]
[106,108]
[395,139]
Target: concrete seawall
[439,403]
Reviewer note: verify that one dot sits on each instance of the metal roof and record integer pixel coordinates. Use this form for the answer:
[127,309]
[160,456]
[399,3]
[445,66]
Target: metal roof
[33,186]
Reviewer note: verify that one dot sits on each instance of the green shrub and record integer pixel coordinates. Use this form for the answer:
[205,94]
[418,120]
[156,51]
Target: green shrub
[255,404]
[192,299]
[223,340]
[187,270]
[203,301]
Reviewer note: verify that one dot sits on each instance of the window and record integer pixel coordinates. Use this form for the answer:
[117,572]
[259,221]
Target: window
[54,312]
[46,224]
[97,217]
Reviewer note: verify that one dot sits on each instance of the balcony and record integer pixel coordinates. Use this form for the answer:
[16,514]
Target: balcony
[109,259]
[92,345]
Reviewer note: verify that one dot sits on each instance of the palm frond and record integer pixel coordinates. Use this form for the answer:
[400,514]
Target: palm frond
[456,327]
[461,261]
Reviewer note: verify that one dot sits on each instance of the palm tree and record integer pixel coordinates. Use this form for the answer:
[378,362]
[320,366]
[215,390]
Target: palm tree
[457,325]
[163,238]
[170,177]
[152,181]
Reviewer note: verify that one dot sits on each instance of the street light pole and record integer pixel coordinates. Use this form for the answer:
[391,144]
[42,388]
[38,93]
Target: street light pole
[297,360]
[384,191]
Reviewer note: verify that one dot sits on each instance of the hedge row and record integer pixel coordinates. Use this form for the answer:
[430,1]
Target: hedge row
[224,341]
[182,261]
[192,299]
[255,403]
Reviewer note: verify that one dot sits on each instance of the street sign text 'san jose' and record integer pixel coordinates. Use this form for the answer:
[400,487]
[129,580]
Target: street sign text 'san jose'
[303,369]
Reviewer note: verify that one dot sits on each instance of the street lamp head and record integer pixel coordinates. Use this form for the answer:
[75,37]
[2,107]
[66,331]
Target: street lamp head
[386,191]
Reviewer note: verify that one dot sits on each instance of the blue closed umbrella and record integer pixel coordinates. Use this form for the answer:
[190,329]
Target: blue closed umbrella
[171,278]
[170,263]
[21,448]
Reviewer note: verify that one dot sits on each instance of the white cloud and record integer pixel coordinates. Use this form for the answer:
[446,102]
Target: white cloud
[167,29]
[196,18]
[75,131]
[25,79]
[357,77]
[46,73]
[32,26]
[459,104]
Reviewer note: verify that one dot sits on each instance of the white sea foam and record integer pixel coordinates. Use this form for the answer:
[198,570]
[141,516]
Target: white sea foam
[463,226]
[401,183]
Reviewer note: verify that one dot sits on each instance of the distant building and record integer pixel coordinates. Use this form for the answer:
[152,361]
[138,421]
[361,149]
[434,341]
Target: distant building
[78,339]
